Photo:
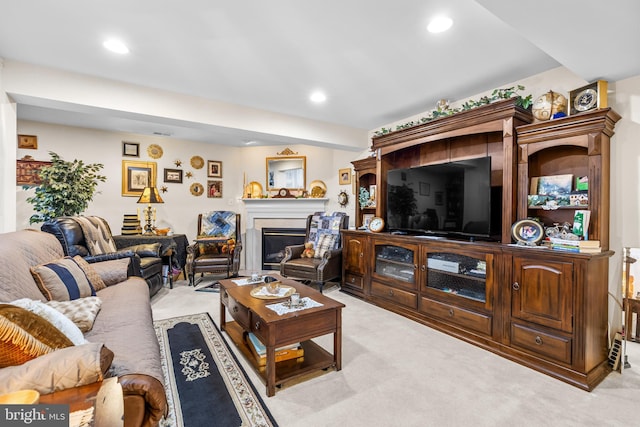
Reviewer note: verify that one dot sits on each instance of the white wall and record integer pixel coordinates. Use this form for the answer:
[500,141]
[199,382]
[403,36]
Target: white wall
[8,158]
[181,208]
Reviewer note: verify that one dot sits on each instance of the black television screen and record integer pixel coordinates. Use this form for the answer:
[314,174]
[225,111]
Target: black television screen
[446,199]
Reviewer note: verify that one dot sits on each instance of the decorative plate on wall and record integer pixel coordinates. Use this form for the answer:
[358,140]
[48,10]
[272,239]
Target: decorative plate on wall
[197,162]
[154,151]
[318,188]
[197,189]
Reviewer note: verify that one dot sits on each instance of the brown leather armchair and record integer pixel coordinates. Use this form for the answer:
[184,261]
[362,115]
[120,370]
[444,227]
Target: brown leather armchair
[324,231]
[217,247]
[71,236]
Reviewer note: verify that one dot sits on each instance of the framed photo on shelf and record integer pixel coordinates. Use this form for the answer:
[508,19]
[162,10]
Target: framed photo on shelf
[527,232]
[214,189]
[344,176]
[130,149]
[366,220]
[439,198]
[425,188]
[214,169]
[173,175]
[136,176]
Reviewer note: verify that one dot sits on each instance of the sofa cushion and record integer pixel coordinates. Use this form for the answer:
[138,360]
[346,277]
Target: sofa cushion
[59,370]
[25,335]
[326,242]
[82,311]
[113,271]
[56,318]
[62,280]
[91,273]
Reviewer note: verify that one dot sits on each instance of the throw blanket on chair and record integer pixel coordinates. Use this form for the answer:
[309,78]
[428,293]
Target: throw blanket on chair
[96,234]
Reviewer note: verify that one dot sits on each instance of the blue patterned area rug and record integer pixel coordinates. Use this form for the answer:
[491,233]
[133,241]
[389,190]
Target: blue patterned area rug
[206,386]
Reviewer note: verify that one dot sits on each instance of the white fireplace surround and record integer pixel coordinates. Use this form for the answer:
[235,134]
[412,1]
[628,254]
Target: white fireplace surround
[274,212]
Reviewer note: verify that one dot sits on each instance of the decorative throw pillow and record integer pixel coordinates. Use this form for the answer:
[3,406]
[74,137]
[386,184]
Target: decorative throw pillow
[113,271]
[62,280]
[91,273]
[81,311]
[326,242]
[25,335]
[57,319]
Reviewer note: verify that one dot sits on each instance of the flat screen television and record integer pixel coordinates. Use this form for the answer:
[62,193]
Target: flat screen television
[452,199]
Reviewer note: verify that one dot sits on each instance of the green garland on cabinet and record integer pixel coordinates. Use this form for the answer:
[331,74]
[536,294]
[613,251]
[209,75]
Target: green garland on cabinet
[496,95]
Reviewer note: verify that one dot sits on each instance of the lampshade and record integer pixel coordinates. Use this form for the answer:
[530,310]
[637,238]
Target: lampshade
[150,195]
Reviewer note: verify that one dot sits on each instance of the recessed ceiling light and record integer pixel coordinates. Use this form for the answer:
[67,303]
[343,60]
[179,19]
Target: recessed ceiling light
[318,97]
[116,46]
[439,24]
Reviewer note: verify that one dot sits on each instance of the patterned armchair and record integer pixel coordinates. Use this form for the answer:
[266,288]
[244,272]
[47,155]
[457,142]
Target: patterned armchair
[217,247]
[323,231]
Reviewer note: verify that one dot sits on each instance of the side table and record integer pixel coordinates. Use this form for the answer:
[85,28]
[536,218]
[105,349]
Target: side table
[174,248]
[105,397]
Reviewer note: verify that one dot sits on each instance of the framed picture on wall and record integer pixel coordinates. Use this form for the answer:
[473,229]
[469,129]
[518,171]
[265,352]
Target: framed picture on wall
[27,171]
[173,175]
[344,176]
[214,189]
[214,169]
[136,176]
[130,149]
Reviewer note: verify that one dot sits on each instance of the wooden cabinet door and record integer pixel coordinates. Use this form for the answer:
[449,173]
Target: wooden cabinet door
[354,256]
[542,292]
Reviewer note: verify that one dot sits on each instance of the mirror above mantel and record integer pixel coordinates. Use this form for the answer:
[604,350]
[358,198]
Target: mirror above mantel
[288,172]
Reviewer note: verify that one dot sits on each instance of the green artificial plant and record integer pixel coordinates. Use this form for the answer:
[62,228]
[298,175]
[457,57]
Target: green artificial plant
[66,188]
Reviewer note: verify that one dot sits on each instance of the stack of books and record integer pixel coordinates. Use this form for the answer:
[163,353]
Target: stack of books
[293,351]
[581,246]
[131,225]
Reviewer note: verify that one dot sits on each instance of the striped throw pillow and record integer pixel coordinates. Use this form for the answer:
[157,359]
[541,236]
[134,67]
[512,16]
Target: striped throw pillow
[326,242]
[62,280]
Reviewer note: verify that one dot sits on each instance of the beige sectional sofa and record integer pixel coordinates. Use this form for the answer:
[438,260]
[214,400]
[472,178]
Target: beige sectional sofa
[122,328]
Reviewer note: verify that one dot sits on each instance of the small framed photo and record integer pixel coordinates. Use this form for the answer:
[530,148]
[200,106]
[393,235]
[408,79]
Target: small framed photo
[130,149]
[214,169]
[372,195]
[366,220]
[344,176]
[28,141]
[214,189]
[425,188]
[173,175]
[527,232]
[136,176]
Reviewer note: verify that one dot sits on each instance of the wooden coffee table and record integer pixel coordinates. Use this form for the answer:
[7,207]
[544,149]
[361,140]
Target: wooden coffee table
[250,314]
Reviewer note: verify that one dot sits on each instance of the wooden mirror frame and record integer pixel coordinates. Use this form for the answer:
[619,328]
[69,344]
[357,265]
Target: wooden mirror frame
[270,167]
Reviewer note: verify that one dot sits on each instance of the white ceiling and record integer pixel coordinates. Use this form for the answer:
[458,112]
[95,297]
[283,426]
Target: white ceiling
[374,59]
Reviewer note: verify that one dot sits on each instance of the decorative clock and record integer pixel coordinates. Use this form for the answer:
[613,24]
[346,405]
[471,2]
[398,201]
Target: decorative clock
[283,193]
[589,97]
[343,198]
[376,224]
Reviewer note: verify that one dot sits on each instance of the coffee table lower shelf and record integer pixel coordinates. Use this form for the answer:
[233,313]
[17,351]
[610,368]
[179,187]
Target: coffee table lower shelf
[315,358]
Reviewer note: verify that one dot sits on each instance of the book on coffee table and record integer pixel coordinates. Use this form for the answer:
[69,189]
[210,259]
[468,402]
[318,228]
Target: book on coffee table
[259,351]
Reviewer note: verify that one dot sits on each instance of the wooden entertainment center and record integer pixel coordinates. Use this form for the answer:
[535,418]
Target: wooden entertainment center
[544,309]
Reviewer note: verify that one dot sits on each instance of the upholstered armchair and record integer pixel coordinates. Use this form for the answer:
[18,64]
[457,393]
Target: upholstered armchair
[72,233]
[217,247]
[323,230]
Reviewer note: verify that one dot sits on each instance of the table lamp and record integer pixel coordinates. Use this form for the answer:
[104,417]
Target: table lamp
[149,195]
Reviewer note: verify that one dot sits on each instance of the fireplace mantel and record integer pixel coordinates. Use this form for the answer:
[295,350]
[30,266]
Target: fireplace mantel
[274,212]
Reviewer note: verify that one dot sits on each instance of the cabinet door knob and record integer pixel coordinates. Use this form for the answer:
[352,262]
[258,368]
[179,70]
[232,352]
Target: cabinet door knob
[390,292]
[516,286]
[257,325]
[538,340]
[361,254]
[451,312]
[415,266]
[235,308]
[423,267]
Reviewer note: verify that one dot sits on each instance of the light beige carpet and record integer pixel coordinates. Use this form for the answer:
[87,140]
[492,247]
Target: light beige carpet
[396,372]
